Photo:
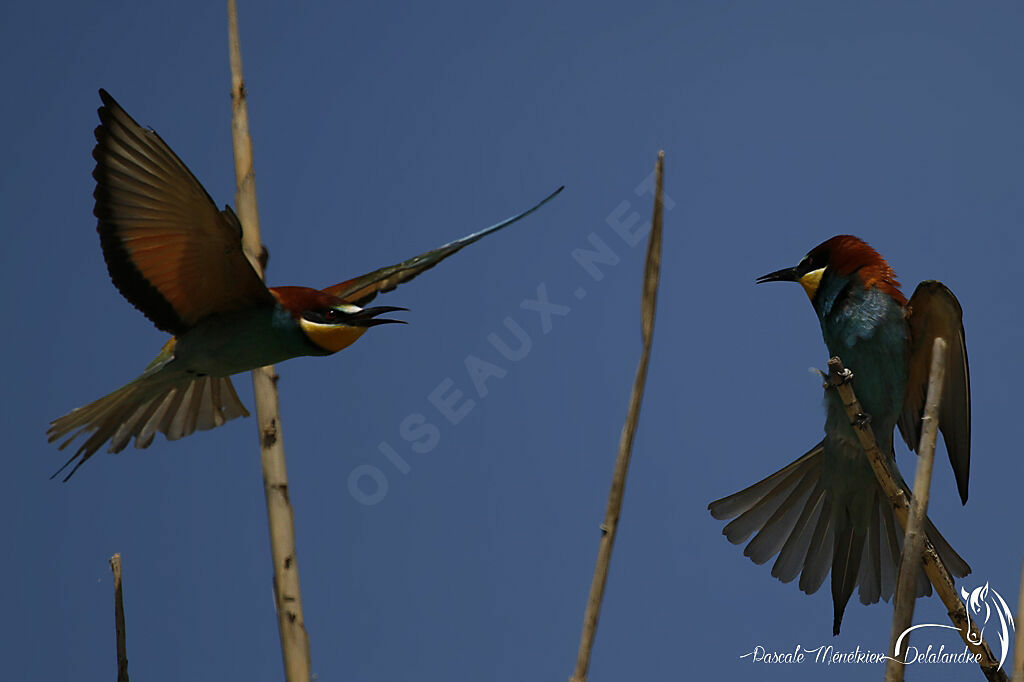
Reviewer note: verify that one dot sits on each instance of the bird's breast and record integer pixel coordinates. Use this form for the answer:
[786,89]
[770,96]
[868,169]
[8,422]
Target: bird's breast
[866,328]
[222,345]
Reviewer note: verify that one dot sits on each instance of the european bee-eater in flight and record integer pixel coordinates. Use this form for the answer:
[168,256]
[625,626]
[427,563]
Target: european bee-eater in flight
[826,510]
[179,260]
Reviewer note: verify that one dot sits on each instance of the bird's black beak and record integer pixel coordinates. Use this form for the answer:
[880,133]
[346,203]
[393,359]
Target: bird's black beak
[783,275]
[367,317]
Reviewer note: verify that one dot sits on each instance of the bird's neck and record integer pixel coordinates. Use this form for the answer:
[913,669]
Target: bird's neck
[850,312]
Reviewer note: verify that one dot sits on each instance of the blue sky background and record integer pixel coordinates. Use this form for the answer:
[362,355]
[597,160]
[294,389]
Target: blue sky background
[382,130]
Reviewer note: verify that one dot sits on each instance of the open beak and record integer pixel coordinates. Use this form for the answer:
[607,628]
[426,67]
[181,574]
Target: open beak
[367,317]
[783,275]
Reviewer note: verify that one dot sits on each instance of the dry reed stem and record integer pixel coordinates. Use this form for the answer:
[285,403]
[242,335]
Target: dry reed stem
[840,378]
[1018,644]
[287,596]
[913,542]
[611,519]
[122,648]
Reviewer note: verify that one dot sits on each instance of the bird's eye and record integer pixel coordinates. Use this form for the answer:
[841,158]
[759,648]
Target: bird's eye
[331,315]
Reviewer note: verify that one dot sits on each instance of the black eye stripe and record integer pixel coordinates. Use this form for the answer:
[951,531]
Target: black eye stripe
[808,264]
[323,316]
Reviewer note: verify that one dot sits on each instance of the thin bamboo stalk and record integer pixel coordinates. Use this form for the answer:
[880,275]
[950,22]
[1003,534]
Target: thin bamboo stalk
[913,542]
[287,596]
[611,517]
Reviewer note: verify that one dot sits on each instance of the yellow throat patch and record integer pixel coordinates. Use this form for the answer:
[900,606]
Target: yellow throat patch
[810,282]
[331,337]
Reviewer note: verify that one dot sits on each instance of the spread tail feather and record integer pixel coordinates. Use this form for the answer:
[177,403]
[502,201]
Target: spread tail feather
[175,407]
[791,513]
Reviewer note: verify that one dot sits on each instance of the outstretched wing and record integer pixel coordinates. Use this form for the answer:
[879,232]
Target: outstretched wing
[933,312]
[168,249]
[806,518]
[361,290]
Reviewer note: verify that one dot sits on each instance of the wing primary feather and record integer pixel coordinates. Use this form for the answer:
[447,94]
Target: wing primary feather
[740,528]
[934,311]
[870,576]
[739,502]
[776,530]
[794,552]
[361,290]
[168,249]
[819,553]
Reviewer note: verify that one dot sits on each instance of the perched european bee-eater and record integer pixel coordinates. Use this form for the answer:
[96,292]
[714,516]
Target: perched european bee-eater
[826,510]
[179,260]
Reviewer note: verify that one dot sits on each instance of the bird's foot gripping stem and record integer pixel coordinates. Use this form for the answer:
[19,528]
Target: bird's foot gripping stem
[840,377]
[838,374]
